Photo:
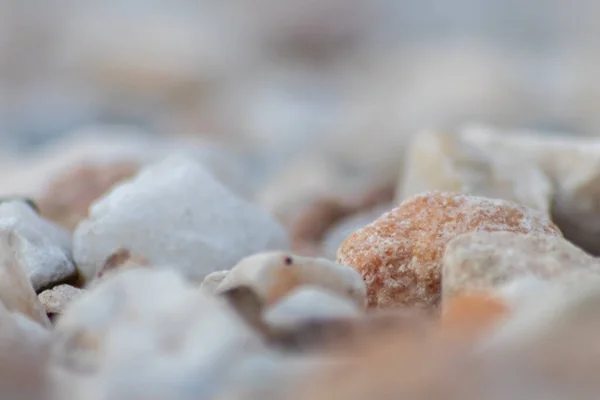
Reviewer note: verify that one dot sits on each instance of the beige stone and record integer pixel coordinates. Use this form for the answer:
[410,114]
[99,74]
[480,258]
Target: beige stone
[442,161]
[489,261]
[56,300]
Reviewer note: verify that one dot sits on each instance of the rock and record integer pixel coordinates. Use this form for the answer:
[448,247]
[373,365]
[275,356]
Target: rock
[442,161]
[488,261]
[175,213]
[120,260]
[42,249]
[274,274]
[344,228]
[212,281]
[143,324]
[400,254]
[16,292]
[56,300]
[309,304]
[571,163]
[69,196]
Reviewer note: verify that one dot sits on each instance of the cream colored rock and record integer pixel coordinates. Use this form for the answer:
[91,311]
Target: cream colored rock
[488,261]
[16,291]
[442,161]
[274,274]
[309,304]
[212,281]
[571,163]
[56,300]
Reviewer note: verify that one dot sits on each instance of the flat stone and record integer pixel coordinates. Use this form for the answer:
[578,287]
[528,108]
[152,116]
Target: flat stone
[175,214]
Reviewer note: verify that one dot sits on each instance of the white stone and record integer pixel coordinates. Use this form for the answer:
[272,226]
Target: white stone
[43,249]
[212,281]
[309,303]
[175,213]
[273,274]
[150,332]
[56,300]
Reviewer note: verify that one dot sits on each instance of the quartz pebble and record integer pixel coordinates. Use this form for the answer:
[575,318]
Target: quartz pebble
[175,213]
[442,161]
[16,292]
[488,261]
[145,324]
[400,254]
[274,274]
[56,300]
[308,304]
[42,249]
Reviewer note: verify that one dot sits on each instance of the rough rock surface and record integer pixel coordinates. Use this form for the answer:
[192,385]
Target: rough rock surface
[274,274]
[442,161]
[56,300]
[487,261]
[42,249]
[175,213]
[400,254]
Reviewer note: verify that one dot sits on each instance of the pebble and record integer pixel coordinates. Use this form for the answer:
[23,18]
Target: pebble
[488,261]
[309,304]
[571,163]
[400,255]
[56,300]
[442,161]
[272,275]
[16,292]
[212,281]
[42,249]
[150,333]
[175,213]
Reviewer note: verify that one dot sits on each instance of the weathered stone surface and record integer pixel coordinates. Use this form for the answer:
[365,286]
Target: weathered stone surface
[487,261]
[442,161]
[42,249]
[56,300]
[175,213]
[400,254]
[272,275]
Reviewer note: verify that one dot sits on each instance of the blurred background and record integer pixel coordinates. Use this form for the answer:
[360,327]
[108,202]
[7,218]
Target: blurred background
[333,86]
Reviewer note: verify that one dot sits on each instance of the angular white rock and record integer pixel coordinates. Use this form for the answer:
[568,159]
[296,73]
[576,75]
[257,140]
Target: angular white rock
[43,250]
[212,281]
[148,332]
[175,213]
[271,273]
[309,303]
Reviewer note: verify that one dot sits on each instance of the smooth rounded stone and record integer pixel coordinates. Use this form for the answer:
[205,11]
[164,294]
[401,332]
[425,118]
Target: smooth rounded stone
[340,231]
[212,281]
[16,292]
[274,274]
[175,213]
[42,249]
[571,163]
[309,304]
[442,161]
[143,324]
[486,261]
[400,255]
[56,300]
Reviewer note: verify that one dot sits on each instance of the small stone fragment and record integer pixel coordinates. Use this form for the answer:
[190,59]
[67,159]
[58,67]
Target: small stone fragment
[16,292]
[444,162]
[273,275]
[175,214]
[488,261]
[212,281]
[120,260]
[56,300]
[309,304]
[400,254]
[42,249]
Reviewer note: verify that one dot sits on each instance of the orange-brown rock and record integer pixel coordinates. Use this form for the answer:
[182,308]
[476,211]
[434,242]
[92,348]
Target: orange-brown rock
[400,255]
[69,196]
